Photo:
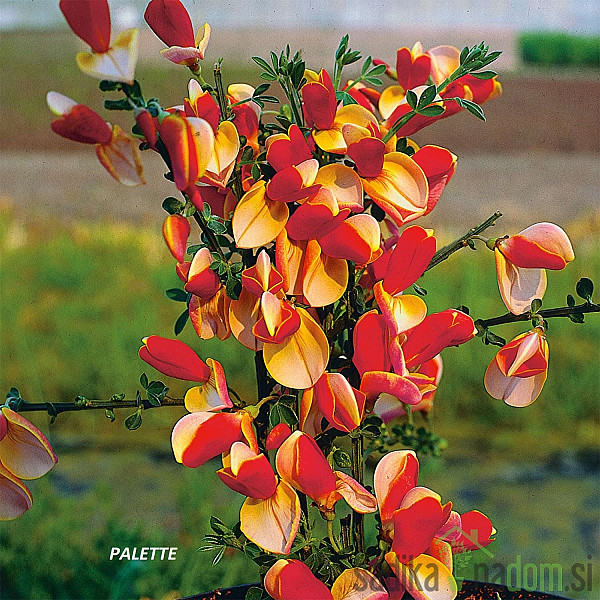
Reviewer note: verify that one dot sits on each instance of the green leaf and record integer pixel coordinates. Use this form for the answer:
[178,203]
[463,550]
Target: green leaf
[351,57]
[268,77]
[373,80]
[172,205]
[110,86]
[427,96]
[144,381]
[377,70]
[254,593]
[122,104]
[216,226]
[261,89]
[342,47]
[536,304]
[368,62]
[473,108]
[434,110]
[342,459]
[484,75]
[177,294]
[109,414]
[493,339]
[233,287]
[261,62]
[255,172]
[117,397]
[570,300]
[585,288]
[134,421]
[421,291]
[411,99]
[181,321]
[576,318]
[345,98]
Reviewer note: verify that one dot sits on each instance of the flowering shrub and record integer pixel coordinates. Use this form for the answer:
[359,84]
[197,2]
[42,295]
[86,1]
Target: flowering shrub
[307,255]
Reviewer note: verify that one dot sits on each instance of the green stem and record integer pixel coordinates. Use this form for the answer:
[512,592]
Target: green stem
[209,233]
[401,122]
[221,98]
[331,535]
[442,254]
[357,472]
[563,311]
[53,408]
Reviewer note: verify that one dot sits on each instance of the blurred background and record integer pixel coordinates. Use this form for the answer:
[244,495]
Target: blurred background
[83,271]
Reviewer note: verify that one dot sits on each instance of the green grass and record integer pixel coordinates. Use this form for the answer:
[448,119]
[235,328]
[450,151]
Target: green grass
[77,299]
[555,49]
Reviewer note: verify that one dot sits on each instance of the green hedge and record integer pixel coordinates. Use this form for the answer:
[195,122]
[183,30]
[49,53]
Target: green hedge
[550,49]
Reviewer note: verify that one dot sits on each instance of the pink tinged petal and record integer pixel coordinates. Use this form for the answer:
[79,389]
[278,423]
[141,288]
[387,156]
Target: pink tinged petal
[310,417]
[89,20]
[170,21]
[302,464]
[437,331]
[293,580]
[409,259]
[316,216]
[451,529]
[446,60]
[301,359]
[186,56]
[358,584]
[525,356]
[324,278]
[344,184]
[277,436]
[257,220]
[121,158]
[289,256]
[174,358]
[61,105]
[15,498]
[395,475]
[319,102]
[202,280]
[476,532]
[24,449]
[176,230]
[211,396]
[518,287]
[401,189]
[272,523]
[117,63]
[376,382]
[357,497]
[200,436]
[424,578]
[371,341]
[543,245]
[201,40]
[515,391]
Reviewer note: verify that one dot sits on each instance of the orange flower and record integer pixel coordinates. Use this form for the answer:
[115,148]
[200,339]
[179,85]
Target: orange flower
[176,230]
[293,580]
[334,399]
[270,516]
[90,20]
[25,453]
[173,358]
[302,464]
[518,372]
[117,152]
[326,119]
[521,260]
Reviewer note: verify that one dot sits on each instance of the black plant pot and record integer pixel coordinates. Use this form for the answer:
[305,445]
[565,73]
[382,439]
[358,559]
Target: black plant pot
[471,590]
